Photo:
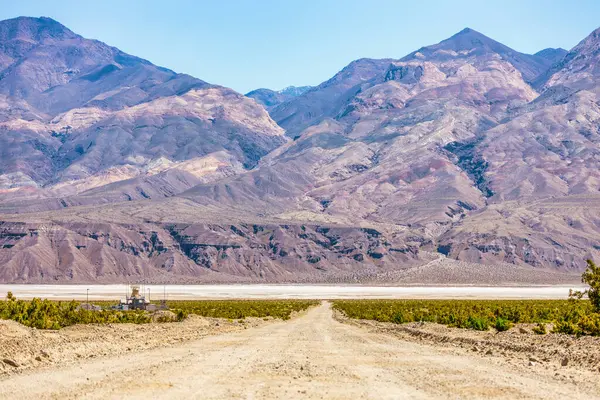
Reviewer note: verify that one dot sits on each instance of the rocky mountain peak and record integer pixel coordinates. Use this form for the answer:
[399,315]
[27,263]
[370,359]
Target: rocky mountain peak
[467,40]
[270,98]
[294,91]
[470,34]
[580,68]
[552,54]
[33,29]
[473,45]
[408,74]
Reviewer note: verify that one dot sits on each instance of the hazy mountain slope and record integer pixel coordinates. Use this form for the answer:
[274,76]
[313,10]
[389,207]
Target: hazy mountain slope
[542,168]
[383,156]
[270,98]
[552,55]
[73,108]
[328,98]
[557,232]
[46,251]
[54,70]
[434,140]
[580,68]
[551,149]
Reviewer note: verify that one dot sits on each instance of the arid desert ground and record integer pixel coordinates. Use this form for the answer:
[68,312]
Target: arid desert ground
[317,354]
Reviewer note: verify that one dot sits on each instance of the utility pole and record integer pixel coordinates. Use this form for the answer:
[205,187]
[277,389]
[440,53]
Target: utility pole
[87,298]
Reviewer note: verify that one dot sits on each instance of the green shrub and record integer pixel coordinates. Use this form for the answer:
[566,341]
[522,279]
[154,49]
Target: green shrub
[479,324]
[591,277]
[181,315]
[398,318]
[565,327]
[46,314]
[502,324]
[589,325]
[540,329]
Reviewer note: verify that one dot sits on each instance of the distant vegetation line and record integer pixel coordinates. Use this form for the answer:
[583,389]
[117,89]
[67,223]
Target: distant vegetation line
[49,314]
[576,317]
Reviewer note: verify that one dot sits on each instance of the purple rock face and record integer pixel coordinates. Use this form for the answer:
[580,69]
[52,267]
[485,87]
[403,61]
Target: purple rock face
[429,168]
[72,108]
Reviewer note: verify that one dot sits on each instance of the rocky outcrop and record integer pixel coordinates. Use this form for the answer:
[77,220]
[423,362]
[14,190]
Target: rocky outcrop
[111,252]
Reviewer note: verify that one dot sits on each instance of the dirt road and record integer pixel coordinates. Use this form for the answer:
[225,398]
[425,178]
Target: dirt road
[310,357]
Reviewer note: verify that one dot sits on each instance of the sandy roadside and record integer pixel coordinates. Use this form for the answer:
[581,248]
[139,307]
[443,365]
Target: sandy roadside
[564,357]
[30,348]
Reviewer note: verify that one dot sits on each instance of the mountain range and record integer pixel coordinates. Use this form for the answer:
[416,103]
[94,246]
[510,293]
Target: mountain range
[462,162]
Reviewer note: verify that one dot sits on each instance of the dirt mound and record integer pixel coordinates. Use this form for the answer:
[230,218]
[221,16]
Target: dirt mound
[164,316]
[12,329]
[197,320]
[31,348]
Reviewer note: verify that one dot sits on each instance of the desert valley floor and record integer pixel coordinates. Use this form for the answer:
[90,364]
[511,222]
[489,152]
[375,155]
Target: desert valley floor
[315,355]
[187,292]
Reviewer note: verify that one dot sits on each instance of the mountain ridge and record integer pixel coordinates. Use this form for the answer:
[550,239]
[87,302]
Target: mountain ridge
[67,89]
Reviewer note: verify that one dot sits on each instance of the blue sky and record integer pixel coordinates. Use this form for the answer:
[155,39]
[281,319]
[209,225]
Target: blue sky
[267,43]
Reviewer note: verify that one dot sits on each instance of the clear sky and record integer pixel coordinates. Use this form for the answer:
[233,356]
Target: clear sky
[247,44]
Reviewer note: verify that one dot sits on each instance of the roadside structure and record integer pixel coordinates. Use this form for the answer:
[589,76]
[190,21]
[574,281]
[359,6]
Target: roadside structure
[136,301]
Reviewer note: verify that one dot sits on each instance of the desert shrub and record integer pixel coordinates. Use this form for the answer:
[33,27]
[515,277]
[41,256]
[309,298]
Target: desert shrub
[589,325]
[240,309]
[566,327]
[540,329]
[591,277]
[181,315]
[569,316]
[398,318]
[502,324]
[477,323]
[47,314]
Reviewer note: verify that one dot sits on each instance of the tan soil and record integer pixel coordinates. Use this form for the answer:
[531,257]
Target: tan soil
[312,356]
[518,346]
[33,348]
